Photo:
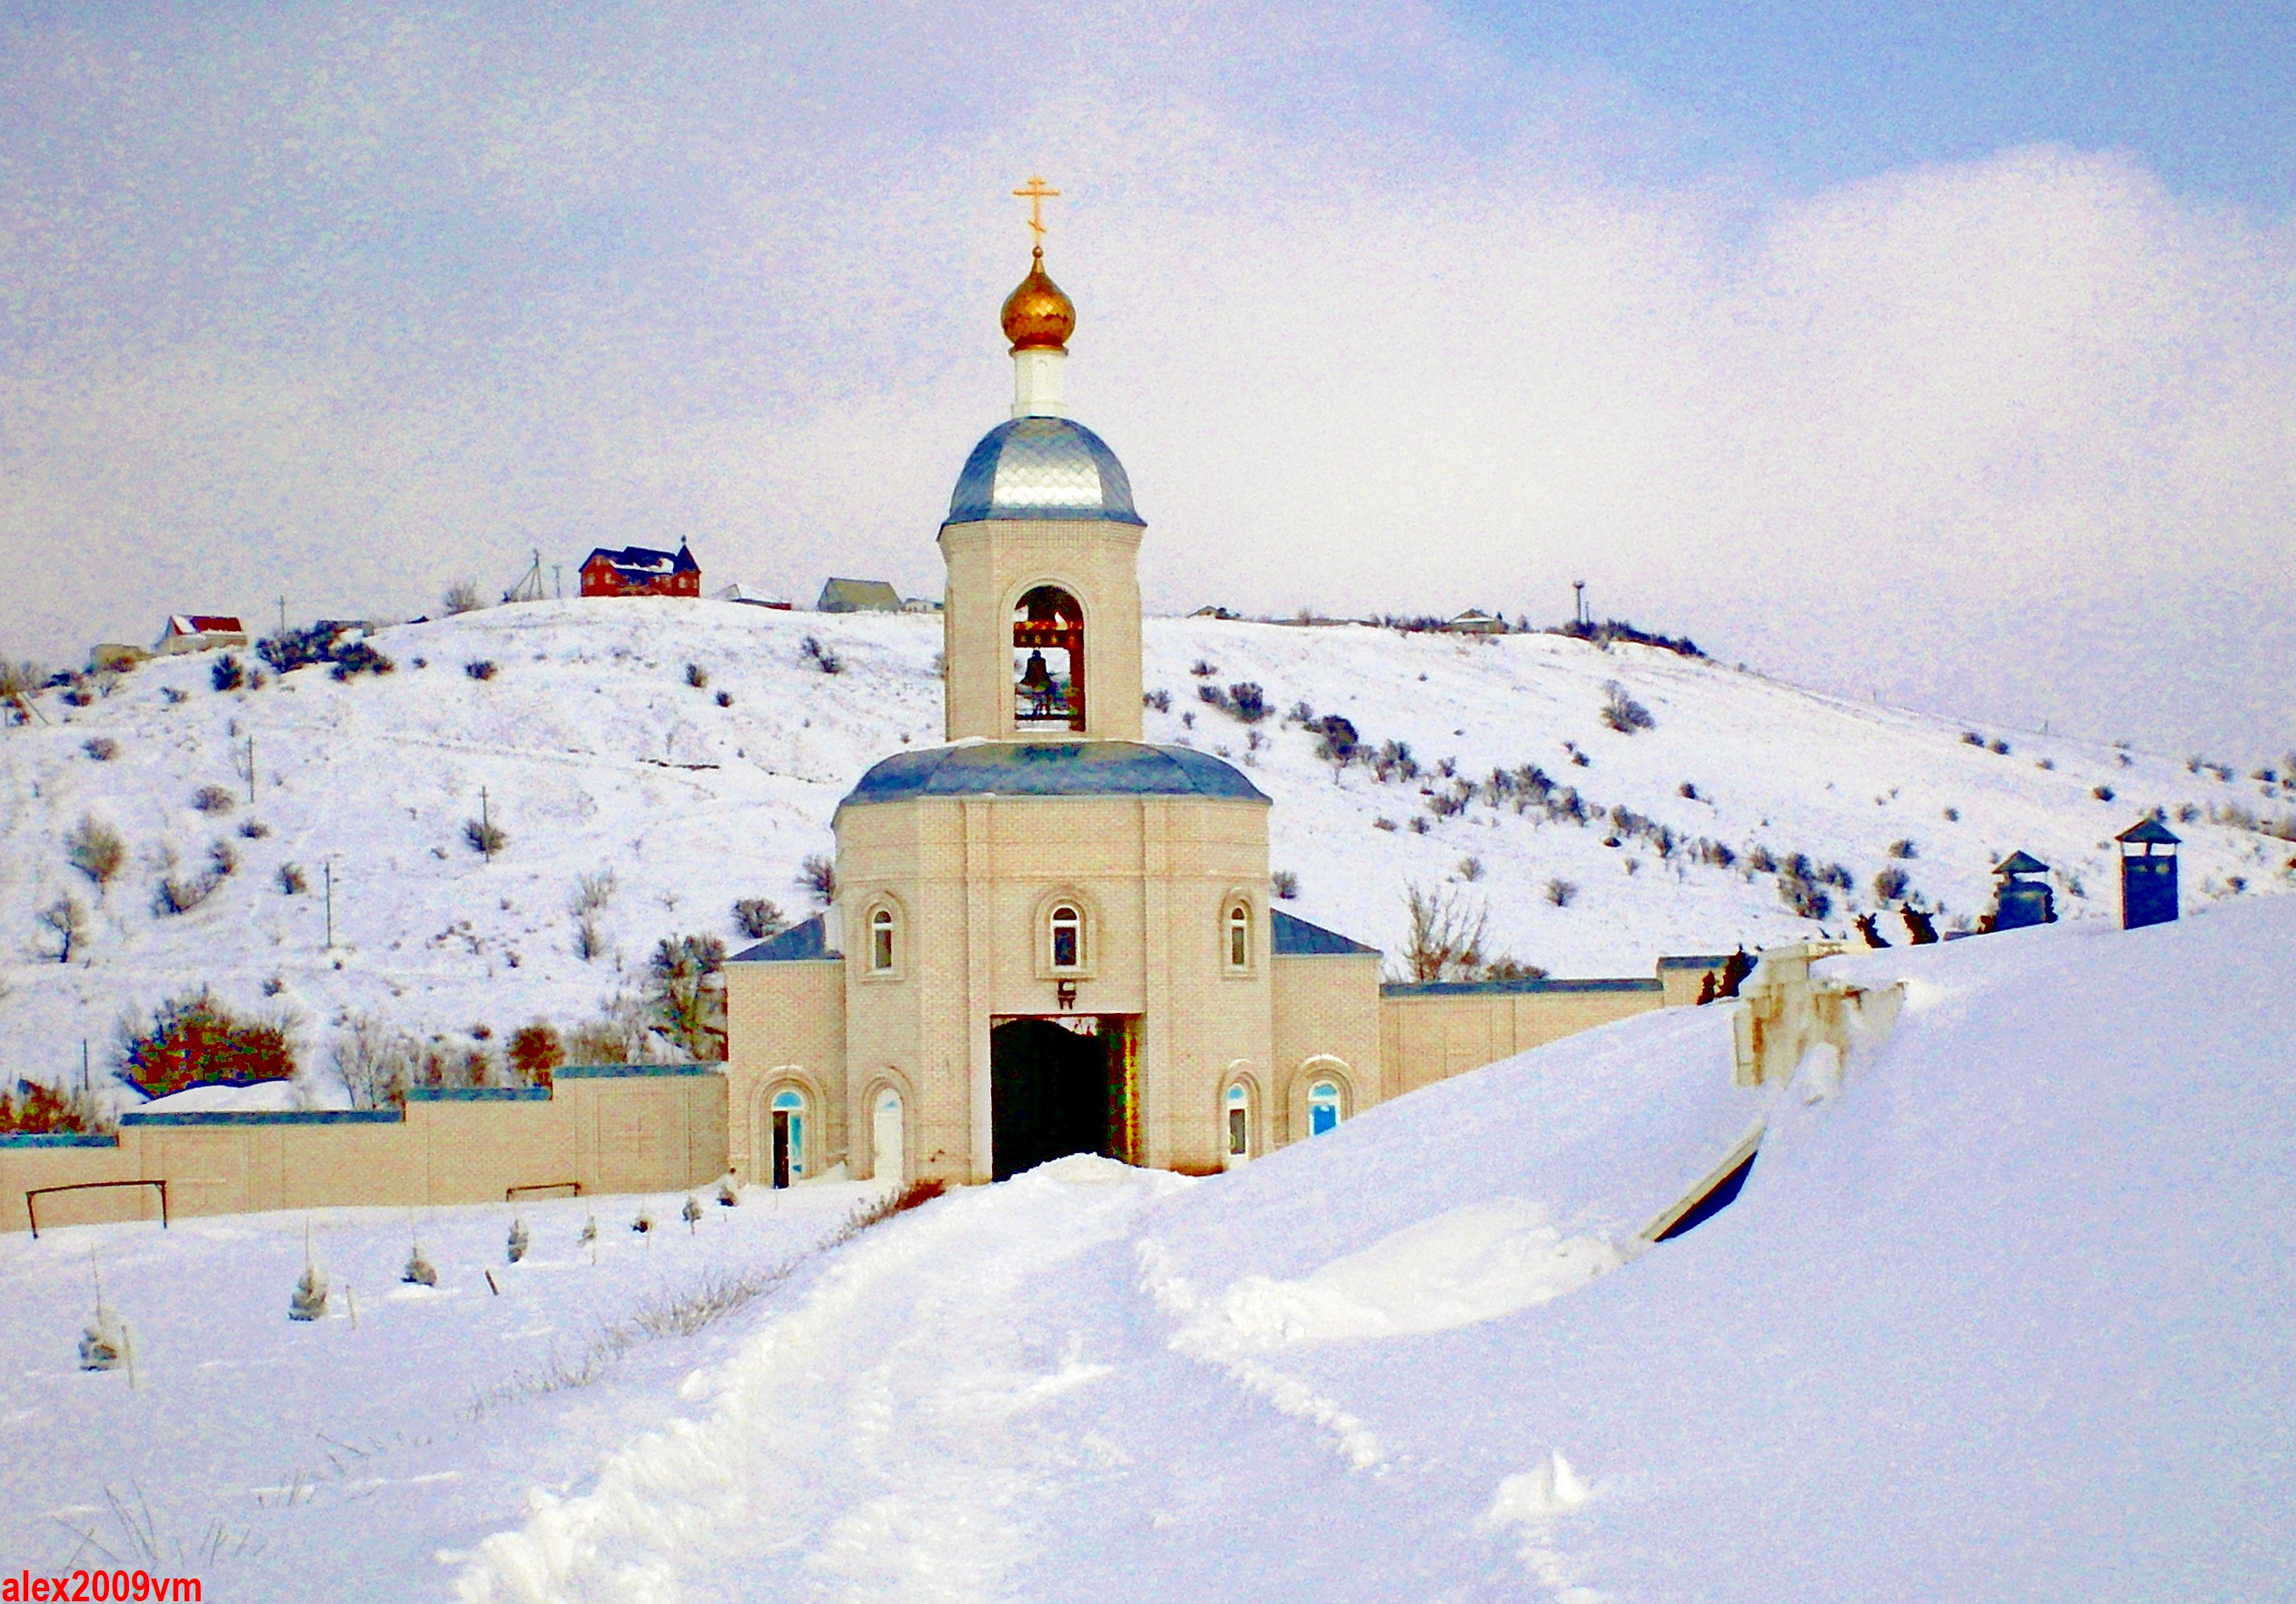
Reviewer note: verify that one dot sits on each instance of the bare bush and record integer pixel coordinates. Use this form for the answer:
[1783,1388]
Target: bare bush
[179,892]
[1561,893]
[621,1034]
[376,1062]
[1904,849]
[589,941]
[1161,700]
[534,1053]
[102,748]
[812,651]
[818,875]
[462,597]
[481,668]
[1890,885]
[254,829]
[1470,868]
[688,991]
[725,699]
[1285,884]
[757,918]
[213,799]
[1621,712]
[697,676]
[485,837]
[227,673]
[64,921]
[1445,941]
[96,849]
[291,881]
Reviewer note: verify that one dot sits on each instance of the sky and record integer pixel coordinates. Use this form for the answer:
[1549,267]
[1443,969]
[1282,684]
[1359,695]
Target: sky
[1940,355]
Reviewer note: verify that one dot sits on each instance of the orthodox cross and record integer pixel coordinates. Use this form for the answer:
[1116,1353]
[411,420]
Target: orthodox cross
[1037,195]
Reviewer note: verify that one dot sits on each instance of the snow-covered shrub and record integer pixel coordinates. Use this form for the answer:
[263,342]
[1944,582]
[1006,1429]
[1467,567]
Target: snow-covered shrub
[1383,823]
[227,673]
[1285,884]
[1687,791]
[1904,849]
[213,799]
[1970,738]
[1952,816]
[1890,885]
[308,1301]
[1247,702]
[2102,792]
[291,881]
[1419,824]
[462,597]
[588,941]
[728,1194]
[419,1271]
[485,837]
[725,699]
[592,892]
[691,1213]
[1804,895]
[481,668]
[812,651]
[697,676]
[758,918]
[1504,968]
[1336,738]
[193,1039]
[1161,700]
[1621,712]
[1392,762]
[644,1224]
[515,1248]
[818,875]
[590,1237]
[177,892]
[358,657]
[1560,892]
[1470,868]
[534,1053]
[65,922]
[1202,669]
[221,861]
[621,1034]
[102,748]
[102,1343]
[171,696]
[253,829]
[1998,746]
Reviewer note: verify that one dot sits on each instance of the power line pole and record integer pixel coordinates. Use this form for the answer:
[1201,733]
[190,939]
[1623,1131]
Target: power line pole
[328,869]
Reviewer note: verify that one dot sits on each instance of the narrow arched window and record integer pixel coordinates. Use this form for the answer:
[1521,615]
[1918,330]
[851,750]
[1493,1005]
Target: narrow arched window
[788,1110]
[1240,936]
[1239,1107]
[1048,644]
[1068,936]
[881,941]
[1323,1106]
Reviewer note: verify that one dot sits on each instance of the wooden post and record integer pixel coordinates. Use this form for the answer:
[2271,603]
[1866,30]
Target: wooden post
[328,868]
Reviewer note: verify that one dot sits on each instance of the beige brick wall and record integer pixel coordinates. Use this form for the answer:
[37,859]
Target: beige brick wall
[1429,1038]
[1327,1025]
[991,565]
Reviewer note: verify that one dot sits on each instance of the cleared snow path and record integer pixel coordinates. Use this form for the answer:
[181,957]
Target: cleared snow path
[880,1442]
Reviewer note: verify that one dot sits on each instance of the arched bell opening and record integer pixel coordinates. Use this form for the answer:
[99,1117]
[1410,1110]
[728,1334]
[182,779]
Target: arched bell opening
[1048,648]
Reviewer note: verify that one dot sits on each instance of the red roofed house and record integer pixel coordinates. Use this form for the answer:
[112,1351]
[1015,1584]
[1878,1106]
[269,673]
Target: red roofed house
[195,632]
[638,570]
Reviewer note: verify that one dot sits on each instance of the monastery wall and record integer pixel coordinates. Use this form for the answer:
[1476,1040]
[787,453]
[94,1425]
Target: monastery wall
[1328,1026]
[609,1127]
[1431,1032]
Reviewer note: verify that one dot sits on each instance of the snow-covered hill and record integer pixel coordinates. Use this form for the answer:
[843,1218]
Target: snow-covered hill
[589,748]
[2002,1313]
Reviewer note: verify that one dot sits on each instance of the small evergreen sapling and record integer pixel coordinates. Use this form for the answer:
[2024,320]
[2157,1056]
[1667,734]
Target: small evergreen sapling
[728,1194]
[309,1299]
[692,1213]
[104,1342]
[590,1238]
[517,1247]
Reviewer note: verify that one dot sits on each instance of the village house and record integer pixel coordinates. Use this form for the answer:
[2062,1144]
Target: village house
[859,596]
[198,632]
[640,570]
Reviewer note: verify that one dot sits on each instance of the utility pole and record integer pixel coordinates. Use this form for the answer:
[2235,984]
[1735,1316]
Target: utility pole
[251,771]
[86,1082]
[328,868]
[1578,595]
[557,584]
[486,828]
[282,615]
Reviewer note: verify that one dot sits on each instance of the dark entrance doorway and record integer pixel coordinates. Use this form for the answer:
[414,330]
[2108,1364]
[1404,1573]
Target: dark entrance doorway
[1059,1086]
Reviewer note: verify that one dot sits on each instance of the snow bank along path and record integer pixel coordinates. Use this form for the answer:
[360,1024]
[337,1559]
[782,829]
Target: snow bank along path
[2002,1313]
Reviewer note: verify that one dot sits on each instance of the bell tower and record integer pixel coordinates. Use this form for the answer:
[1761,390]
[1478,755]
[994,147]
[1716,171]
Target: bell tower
[1041,621]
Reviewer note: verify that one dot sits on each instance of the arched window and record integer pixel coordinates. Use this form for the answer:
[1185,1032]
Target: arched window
[788,1109]
[1237,1105]
[1323,1106]
[1067,930]
[1047,649]
[885,1135]
[881,941]
[1239,936]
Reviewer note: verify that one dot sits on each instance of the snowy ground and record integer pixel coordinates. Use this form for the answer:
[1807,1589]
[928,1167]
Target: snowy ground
[591,751]
[2001,1314]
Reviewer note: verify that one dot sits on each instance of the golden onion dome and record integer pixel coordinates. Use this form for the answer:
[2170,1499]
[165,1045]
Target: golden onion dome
[1037,315]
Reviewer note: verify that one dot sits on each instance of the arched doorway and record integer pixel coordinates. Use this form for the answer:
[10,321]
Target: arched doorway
[1237,1132]
[1048,645]
[786,1111]
[1049,1093]
[888,1161]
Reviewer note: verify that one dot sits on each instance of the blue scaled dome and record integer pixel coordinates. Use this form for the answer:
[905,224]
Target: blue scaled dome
[1042,467]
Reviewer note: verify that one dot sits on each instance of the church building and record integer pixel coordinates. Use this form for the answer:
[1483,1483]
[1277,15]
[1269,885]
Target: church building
[1050,936]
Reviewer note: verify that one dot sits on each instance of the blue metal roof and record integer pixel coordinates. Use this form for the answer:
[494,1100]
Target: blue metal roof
[1497,987]
[1042,467]
[1296,938]
[1052,768]
[798,944]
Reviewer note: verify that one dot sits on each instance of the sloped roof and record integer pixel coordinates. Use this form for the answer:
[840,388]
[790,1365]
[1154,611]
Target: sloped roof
[859,596]
[1296,938]
[2022,863]
[799,944]
[202,624]
[2148,831]
[644,561]
[1052,768]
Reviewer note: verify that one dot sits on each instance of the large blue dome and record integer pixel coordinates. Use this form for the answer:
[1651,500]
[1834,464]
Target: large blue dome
[1042,467]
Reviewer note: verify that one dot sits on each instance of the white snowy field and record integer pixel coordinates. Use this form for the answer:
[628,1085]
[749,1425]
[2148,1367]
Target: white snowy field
[2002,1313]
[591,751]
